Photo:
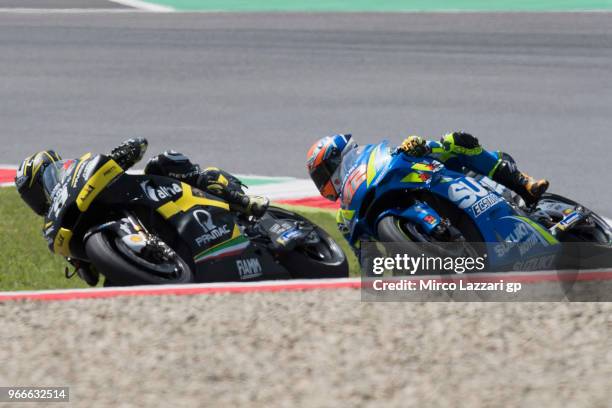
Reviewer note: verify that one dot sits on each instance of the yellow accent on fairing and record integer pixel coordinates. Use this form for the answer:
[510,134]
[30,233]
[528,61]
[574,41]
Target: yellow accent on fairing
[186,202]
[544,233]
[236,232]
[76,171]
[61,244]
[98,182]
[422,167]
[412,178]
[371,172]
[344,215]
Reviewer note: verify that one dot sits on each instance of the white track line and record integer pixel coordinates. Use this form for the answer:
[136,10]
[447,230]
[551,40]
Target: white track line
[145,6]
[292,188]
[285,285]
[16,10]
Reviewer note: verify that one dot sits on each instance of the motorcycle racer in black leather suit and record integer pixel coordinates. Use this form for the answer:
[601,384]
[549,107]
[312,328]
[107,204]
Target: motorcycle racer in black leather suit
[30,174]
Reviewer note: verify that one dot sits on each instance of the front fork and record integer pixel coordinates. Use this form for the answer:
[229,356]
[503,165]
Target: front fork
[421,214]
[432,224]
[131,232]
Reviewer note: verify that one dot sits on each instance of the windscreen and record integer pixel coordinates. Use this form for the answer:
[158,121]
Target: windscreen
[54,173]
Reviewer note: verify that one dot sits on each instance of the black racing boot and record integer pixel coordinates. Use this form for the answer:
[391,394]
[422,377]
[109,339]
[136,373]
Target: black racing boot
[524,185]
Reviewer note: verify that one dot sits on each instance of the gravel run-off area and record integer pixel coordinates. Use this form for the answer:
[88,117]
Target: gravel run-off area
[315,349]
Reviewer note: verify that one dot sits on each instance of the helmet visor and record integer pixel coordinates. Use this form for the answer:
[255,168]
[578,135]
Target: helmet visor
[322,174]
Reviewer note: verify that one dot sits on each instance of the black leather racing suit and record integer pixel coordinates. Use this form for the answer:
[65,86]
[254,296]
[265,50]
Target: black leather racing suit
[178,166]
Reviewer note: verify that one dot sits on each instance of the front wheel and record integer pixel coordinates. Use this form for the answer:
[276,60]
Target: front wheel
[124,267]
[398,230]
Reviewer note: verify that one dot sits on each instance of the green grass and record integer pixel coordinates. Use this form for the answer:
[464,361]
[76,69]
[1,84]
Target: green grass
[27,264]
[25,261]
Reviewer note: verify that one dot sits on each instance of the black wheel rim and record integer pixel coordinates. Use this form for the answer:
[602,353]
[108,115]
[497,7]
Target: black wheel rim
[170,270]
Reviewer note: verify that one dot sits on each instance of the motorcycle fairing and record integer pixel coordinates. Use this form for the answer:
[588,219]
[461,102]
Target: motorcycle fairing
[493,216]
[202,221]
[82,182]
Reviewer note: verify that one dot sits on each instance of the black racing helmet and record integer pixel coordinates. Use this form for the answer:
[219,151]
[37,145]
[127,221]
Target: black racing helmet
[29,180]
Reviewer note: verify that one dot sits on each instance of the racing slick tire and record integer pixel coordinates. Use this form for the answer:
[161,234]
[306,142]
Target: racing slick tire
[109,260]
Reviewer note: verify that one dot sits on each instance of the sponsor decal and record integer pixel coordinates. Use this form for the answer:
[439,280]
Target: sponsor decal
[470,193]
[536,264]
[161,192]
[59,196]
[280,228]
[354,180]
[467,192]
[184,176]
[77,175]
[288,236]
[228,248]
[211,231]
[485,204]
[89,168]
[249,268]
[493,185]
[523,235]
[88,190]
[430,219]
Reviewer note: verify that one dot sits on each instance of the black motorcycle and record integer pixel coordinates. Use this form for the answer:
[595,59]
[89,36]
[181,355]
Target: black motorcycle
[144,229]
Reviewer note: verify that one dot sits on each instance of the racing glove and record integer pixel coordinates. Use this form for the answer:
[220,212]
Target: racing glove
[129,152]
[461,140]
[223,184]
[414,146]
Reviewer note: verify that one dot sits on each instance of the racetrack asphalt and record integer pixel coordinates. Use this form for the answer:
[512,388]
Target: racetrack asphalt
[251,92]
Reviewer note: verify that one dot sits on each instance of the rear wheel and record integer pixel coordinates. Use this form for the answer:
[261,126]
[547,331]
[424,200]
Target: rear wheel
[123,267]
[596,230]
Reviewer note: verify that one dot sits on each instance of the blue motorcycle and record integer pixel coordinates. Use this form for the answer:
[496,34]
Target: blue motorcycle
[393,197]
